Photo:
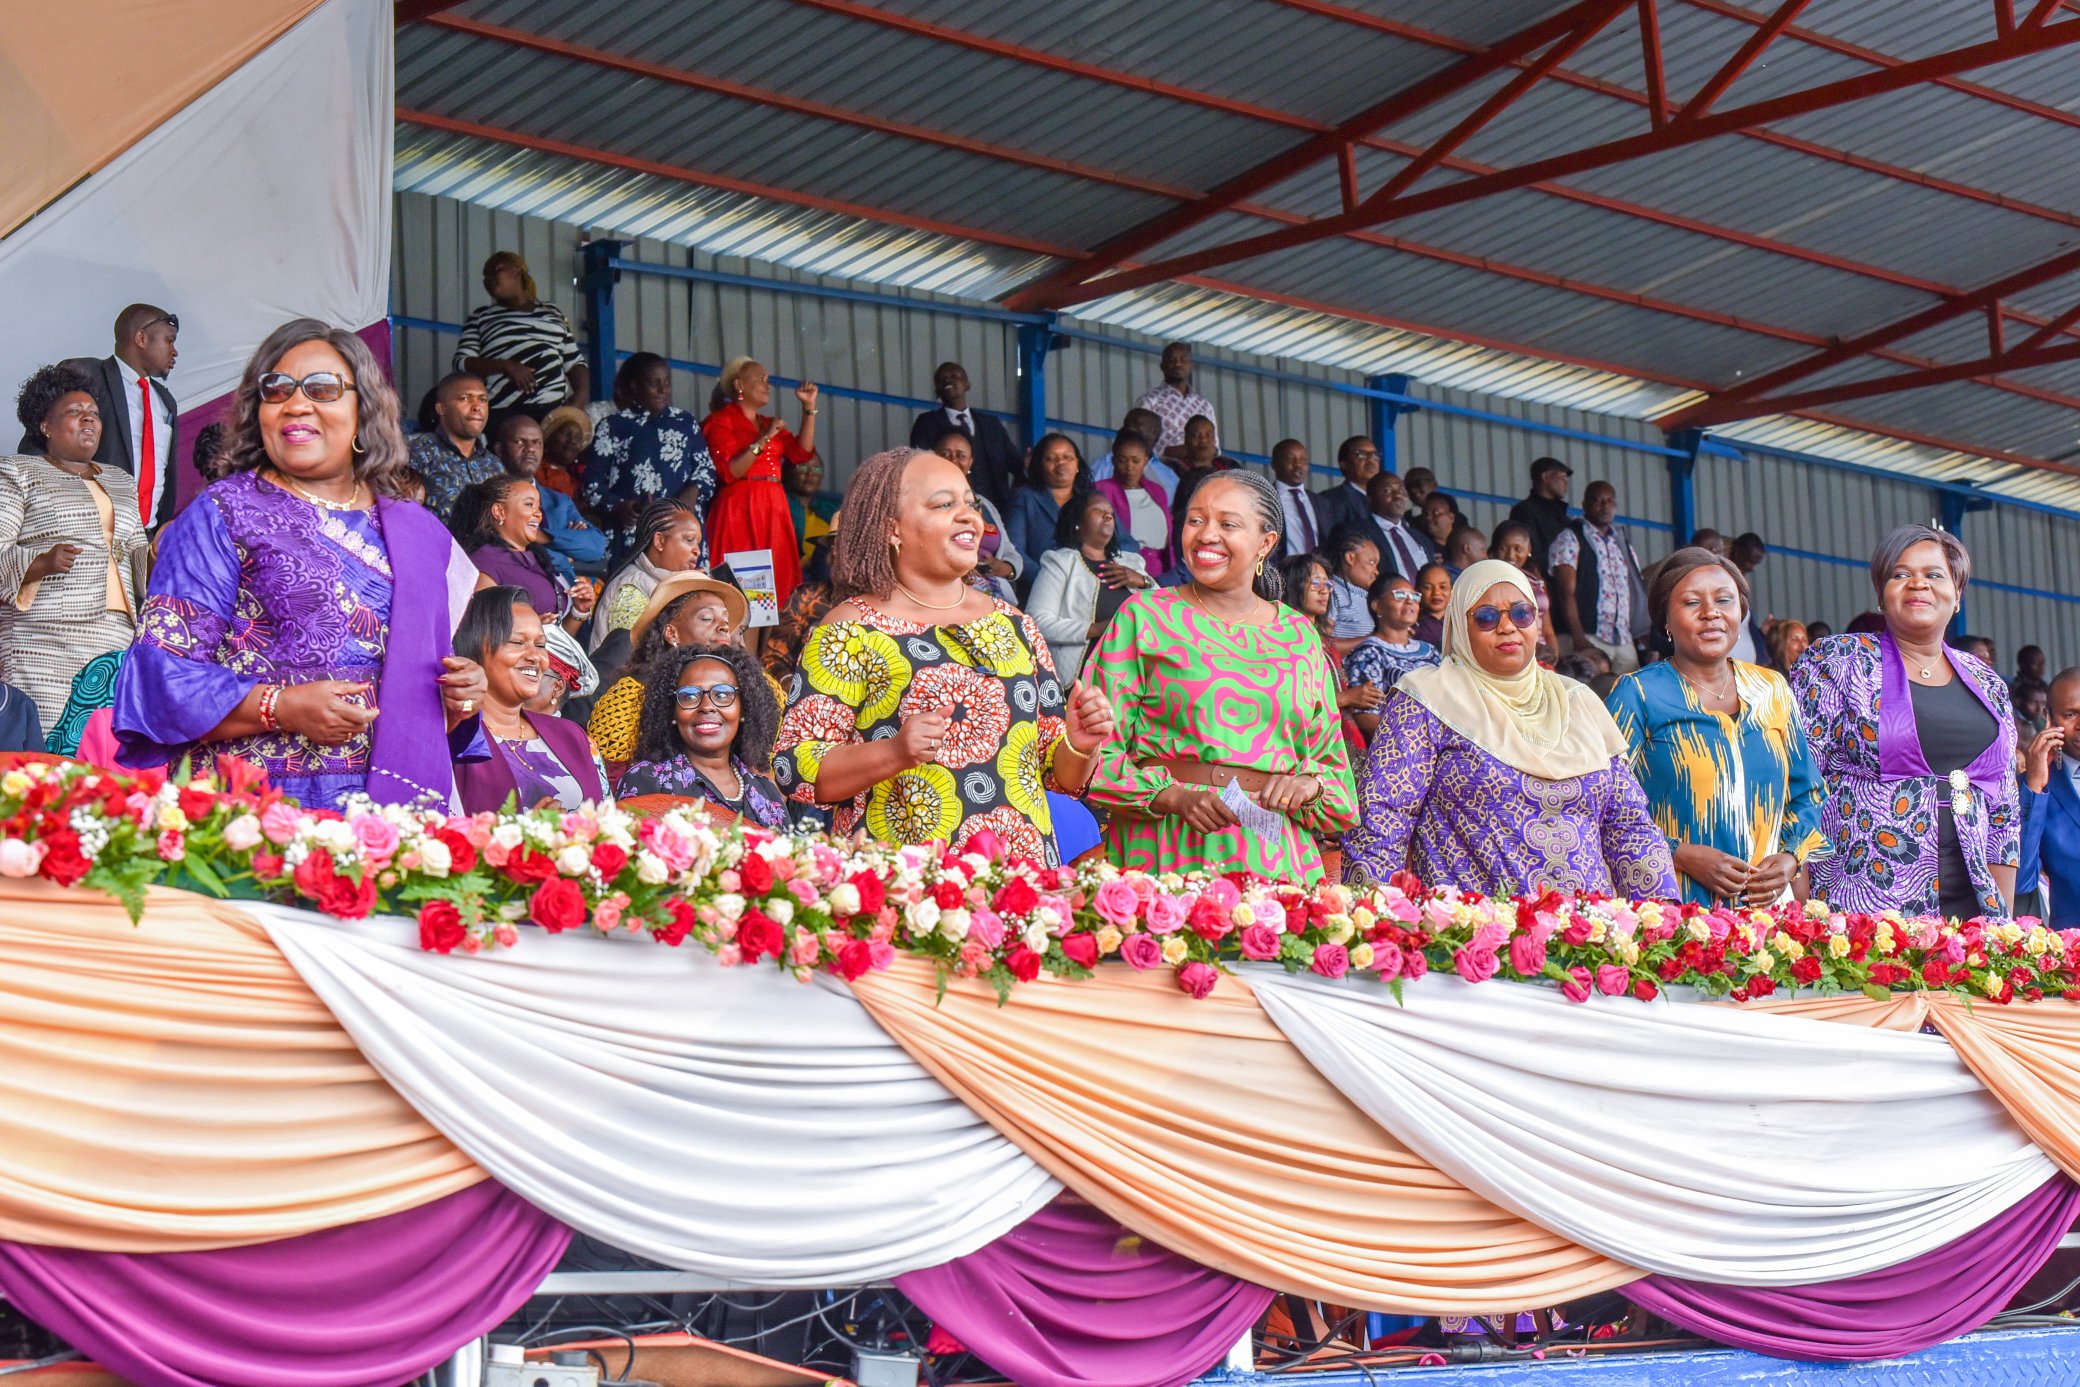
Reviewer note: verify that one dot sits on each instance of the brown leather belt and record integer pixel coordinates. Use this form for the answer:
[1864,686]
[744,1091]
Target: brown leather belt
[1186,771]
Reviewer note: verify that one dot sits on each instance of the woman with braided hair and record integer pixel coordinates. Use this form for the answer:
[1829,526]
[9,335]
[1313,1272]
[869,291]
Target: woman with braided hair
[1216,684]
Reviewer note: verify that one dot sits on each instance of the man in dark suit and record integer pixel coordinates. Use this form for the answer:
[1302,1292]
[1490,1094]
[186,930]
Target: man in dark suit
[2051,808]
[998,470]
[140,440]
[1344,504]
[1304,530]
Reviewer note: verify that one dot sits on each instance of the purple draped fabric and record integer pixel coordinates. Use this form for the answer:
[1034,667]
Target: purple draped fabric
[1899,740]
[369,1303]
[1903,1309]
[1071,1299]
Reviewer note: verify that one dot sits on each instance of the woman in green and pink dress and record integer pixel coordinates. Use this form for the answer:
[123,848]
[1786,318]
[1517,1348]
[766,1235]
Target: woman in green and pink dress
[1214,681]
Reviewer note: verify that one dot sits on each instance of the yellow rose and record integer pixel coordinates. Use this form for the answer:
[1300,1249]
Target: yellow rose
[2039,941]
[1108,940]
[171,820]
[1175,950]
[15,783]
[1363,918]
[1698,930]
[1837,946]
[1761,961]
[1243,915]
[1361,956]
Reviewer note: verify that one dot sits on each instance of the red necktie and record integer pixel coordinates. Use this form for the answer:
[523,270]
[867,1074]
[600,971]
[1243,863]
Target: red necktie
[148,461]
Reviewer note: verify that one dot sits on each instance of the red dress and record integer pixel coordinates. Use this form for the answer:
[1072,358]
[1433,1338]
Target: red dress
[752,513]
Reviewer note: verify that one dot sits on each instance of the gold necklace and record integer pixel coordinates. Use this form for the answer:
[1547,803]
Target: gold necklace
[933,606]
[1731,680]
[1199,601]
[348,504]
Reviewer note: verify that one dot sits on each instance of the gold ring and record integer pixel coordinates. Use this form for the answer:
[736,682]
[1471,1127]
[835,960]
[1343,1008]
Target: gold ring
[469,705]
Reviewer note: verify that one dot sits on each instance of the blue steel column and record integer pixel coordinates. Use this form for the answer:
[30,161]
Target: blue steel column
[1682,483]
[1381,416]
[1035,341]
[1952,506]
[598,286]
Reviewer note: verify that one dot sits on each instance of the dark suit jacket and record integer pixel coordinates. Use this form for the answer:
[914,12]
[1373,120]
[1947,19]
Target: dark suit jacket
[2051,846]
[1342,504]
[105,381]
[999,465]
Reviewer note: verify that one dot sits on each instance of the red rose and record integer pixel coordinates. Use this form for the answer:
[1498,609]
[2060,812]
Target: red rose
[1645,990]
[1208,920]
[440,927]
[267,865]
[462,854]
[1760,986]
[855,957]
[758,935]
[528,867]
[678,924]
[557,905]
[62,861]
[333,893]
[948,896]
[608,860]
[1023,963]
[1081,949]
[1016,897]
[1933,974]
[756,874]
[197,804]
[872,895]
[1805,971]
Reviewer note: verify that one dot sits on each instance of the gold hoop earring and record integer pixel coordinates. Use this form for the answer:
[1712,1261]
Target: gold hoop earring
[357,444]
[1260,568]
[895,544]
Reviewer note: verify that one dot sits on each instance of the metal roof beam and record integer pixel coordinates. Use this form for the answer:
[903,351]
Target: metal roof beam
[722,182]
[2065,263]
[413,11]
[1650,60]
[1714,412]
[1678,133]
[1764,35]
[1327,144]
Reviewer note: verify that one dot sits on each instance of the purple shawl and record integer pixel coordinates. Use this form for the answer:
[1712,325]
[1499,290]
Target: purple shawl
[409,756]
[1899,744]
[486,784]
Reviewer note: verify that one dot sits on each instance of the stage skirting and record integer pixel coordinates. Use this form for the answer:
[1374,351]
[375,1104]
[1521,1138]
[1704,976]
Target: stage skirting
[252,1144]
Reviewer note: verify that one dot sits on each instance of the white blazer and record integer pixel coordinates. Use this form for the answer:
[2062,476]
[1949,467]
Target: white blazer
[1065,599]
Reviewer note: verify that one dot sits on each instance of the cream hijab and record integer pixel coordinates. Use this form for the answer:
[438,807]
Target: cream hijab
[1536,721]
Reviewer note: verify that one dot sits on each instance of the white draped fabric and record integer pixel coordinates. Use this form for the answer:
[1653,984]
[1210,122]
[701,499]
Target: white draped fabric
[1705,1142]
[745,1126]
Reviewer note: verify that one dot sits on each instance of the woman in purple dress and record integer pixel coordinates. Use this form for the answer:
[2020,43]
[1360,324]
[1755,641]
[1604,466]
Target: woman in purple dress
[1494,775]
[1915,744]
[536,757]
[301,614]
[498,523]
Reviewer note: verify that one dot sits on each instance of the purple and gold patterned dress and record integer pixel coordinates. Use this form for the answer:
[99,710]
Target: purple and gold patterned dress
[255,585]
[1435,804]
[1884,808]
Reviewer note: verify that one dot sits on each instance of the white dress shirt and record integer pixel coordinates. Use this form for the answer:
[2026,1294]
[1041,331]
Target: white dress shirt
[1303,532]
[1157,471]
[1405,550]
[162,432]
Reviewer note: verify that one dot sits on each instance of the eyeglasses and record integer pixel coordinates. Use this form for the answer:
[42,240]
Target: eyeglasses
[171,320]
[1319,585]
[1521,616]
[1406,597]
[718,696]
[319,387]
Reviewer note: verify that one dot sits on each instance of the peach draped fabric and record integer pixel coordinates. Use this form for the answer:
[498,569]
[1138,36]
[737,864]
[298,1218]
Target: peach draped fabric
[1198,1125]
[2028,1055]
[1903,1011]
[174,1085]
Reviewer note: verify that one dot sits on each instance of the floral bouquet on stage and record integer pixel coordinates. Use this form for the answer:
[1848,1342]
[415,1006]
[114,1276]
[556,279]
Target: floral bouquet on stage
[811,902]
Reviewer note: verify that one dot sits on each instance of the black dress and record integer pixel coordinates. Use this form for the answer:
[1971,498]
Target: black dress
[1954,728]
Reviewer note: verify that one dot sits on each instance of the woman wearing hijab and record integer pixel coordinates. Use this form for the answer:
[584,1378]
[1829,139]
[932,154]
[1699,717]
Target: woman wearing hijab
[1491,774]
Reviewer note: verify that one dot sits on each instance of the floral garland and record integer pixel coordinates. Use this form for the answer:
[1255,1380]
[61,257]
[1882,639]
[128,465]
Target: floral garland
[810,902]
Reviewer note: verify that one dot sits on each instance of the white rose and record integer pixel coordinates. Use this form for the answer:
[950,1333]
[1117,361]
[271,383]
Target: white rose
[434,857]
[651,870]
[574,861]
[1036,938]
[780,909]
[924,916]
[242,834]
[508,836]
[844,899]
[730,906]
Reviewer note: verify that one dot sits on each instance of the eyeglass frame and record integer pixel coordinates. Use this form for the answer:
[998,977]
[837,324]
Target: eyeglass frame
[1488,617]
[711,692]
[260,386]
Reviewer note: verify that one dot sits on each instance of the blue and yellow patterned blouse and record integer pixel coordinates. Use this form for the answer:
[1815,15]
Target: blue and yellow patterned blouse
[1745,786]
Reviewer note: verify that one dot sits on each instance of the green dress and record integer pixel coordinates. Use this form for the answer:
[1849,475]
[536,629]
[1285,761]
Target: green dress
[1744,785]
[1183,685]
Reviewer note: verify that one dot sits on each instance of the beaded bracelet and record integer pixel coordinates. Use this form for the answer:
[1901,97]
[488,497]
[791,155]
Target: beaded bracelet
[269,693]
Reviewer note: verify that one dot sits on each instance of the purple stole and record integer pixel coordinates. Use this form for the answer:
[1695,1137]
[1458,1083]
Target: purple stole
[1899,744]
[487,784]
[409,757]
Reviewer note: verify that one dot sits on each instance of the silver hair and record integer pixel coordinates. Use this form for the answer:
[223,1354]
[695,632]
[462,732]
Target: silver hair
[1894,546]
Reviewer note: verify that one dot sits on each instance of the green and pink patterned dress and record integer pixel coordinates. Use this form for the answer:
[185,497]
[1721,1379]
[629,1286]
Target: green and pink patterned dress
[1183,685]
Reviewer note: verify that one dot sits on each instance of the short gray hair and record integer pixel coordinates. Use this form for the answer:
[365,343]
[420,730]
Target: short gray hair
[1894,546]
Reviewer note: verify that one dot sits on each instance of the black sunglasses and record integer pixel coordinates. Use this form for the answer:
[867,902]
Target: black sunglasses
[319,387]
[720,695]
[1521,616]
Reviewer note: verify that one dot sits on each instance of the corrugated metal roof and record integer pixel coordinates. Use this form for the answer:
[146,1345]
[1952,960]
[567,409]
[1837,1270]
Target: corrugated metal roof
[1593,300]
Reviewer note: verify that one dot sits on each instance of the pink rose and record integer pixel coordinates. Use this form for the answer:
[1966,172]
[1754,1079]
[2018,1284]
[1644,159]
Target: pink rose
[1527,954]
[606,916]
[1260,942]
[1144,886]
[1475,965]
[1267,911]
[1401,908]
[986,929]
[1488,937]
[1414,963]
[172,847]
[278,822]
[729,955]
[1223,894]
[1612,980]
[1331,960]
[1197,979]
[1116,902]
[1142,951]
[1387,960]
[1166,914]
[506,936]
[880,954]
[807,949]
[1576,988]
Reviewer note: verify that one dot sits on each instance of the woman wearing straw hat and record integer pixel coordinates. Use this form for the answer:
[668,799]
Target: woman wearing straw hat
[1494,775]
